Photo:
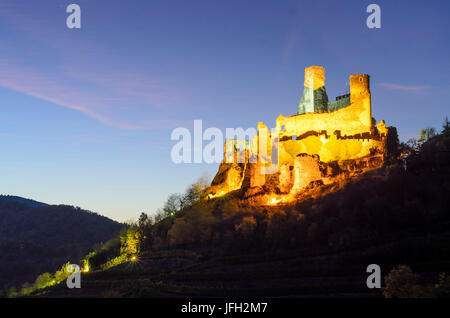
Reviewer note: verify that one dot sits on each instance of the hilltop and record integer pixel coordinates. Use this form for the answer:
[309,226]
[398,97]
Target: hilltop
[318,245]
[28,202]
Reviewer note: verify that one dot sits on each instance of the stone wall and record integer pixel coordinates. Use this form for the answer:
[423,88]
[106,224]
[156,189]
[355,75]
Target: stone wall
[353,119]
[313,147]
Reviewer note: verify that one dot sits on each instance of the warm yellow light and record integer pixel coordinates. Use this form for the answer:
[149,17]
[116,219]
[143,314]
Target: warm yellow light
[323,139]
[134,258]
[212,196]
[274,201]
[86,269]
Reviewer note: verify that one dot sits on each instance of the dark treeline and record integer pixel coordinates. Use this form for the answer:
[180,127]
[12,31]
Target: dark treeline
[36,238]
[407,197]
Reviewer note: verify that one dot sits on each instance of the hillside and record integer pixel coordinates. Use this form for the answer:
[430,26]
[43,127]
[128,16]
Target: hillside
[28,202]
[36,237]
[318,246]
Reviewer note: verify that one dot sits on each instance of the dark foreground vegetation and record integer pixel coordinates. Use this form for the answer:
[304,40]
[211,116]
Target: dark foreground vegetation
[37,237]
[397,217]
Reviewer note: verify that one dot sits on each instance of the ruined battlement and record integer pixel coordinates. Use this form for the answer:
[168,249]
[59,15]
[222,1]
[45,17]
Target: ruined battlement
[349,114]
[321,133]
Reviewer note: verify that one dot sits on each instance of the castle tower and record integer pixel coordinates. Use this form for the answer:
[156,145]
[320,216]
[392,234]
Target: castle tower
[360,95]
[314,77]
[314,97]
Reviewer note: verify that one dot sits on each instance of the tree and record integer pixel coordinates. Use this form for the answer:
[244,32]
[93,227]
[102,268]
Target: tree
[44,280]
[412,143]
[172,205]
[401,282]
[446,127]
[193,227]
[145,228]
[27,289]
[130,239]
[63,273]
[159,215]
[176,201]
[195,191]
[143,219]
[439,290]
[426,134]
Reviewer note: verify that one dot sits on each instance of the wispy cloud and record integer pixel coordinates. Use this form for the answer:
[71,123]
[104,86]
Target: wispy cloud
[405,87]
[122,100]
[90,80]
[46,88]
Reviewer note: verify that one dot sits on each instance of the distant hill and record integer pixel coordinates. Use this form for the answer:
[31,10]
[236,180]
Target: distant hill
[29,202]
[36,237]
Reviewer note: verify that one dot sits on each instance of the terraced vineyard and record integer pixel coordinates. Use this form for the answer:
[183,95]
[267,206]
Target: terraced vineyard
[182,273]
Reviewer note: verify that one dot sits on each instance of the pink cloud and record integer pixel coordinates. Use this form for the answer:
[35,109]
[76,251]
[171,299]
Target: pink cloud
[43,87]
[89,81]
[105,97]
[404,87]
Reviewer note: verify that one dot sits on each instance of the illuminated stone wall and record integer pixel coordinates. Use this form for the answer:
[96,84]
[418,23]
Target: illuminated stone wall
[306,170]
[353,119]
[309,140]
[332,148]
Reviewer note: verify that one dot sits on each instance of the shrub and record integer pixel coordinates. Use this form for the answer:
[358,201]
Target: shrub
[438,290]
[401,282]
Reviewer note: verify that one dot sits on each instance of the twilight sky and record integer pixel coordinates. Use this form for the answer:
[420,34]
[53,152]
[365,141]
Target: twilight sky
[86,115]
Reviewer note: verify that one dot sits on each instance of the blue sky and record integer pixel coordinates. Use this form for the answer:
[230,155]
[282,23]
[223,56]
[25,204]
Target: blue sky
[86,115]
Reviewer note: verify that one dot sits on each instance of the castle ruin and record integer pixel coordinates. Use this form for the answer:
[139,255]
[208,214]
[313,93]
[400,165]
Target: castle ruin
[323,140]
